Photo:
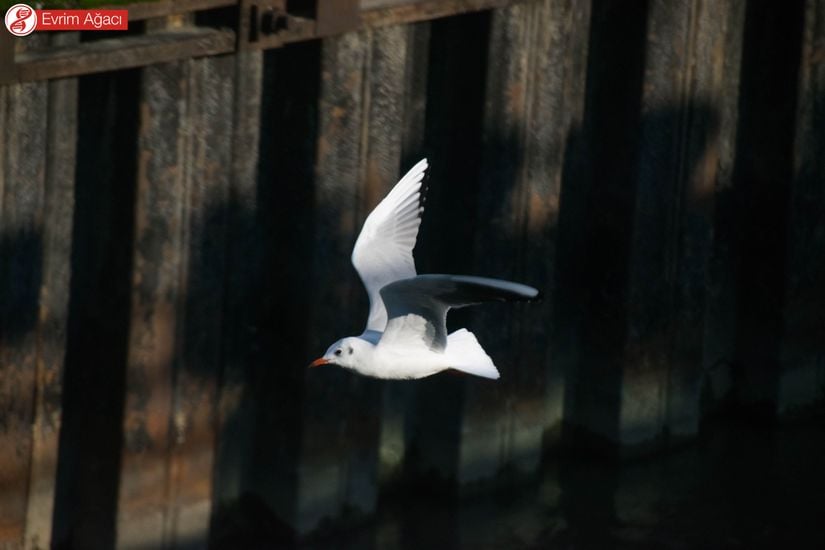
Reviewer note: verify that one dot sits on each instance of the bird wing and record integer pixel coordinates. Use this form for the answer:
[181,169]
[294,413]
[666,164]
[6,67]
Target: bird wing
[383,251]
[417,307]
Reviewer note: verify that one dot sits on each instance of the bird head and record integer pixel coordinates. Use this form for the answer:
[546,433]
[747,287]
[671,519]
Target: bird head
[346,352]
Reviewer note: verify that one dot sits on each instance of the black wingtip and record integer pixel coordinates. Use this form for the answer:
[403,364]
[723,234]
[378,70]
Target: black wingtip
[425,186]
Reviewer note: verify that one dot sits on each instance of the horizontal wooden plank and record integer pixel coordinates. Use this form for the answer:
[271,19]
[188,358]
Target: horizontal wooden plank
[161,8]
[124,53]
[181,43]
[375,13]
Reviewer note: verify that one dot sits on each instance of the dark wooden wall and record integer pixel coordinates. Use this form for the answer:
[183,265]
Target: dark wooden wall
[175,241]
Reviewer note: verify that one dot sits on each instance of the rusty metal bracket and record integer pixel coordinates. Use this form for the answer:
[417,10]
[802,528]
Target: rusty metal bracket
[265,24]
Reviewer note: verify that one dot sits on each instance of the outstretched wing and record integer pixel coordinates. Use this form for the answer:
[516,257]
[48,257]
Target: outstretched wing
[383,251]
[417,307]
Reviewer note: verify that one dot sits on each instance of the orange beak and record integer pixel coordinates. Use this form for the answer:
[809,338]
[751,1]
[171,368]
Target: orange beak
[318,362]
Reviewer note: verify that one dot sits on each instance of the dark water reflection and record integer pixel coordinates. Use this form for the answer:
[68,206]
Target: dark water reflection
[741,486]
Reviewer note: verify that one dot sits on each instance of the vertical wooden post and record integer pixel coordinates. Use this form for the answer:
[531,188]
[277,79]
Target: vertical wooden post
[594,224]
[36,207]
[174,348]
[720,308]
[535,76]
[397,103]
[802,376]
[337,427]
[53,307]
[399,396]
[682,152]
[452,139]
[361,116]
[22,203]
[758,207]
[156,294]
[236,415]
[208,163]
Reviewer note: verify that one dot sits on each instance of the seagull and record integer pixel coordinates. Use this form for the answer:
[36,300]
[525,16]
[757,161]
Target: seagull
[406,333]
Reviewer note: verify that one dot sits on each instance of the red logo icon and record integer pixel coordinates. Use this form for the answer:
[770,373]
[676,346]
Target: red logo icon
[21,20]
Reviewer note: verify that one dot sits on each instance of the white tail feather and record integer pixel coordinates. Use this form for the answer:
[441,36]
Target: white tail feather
[467,355]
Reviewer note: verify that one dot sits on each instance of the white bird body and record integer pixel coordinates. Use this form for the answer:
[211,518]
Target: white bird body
[412,360]
[402,362]
[406,333]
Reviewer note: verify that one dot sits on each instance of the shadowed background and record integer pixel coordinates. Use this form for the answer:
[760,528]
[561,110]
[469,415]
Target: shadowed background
[174,250]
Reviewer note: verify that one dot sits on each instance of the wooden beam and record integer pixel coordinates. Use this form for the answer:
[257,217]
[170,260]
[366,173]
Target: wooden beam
[236,417]
[139,11]
[175,344]
[682,160]
[141,50]
[534,82]
[24,372]
[58,211]
[345,427]
[802,376]
[123,53]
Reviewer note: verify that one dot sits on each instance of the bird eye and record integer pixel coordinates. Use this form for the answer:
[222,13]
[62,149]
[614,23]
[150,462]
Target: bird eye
[350,351]
[338,351]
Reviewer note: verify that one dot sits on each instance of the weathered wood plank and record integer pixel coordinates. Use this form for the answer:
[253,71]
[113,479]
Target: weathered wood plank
[269,299]
[124,52]
[679,156]
[536,63]
[99,297]
[394,12]
[162,8]
[709,137]
[594,225]
[341,410]
[236,415]
[409,100]
[802,378]
[208,132]
[58,210]
[720,307]
[23,154]
[452,142]
[758,207]
[156,297]
[385,130]
[175,344]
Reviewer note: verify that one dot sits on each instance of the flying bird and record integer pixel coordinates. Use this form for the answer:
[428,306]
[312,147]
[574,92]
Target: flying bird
[406,333]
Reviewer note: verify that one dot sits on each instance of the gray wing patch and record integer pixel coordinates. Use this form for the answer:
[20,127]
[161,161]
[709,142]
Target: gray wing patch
[428,298]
